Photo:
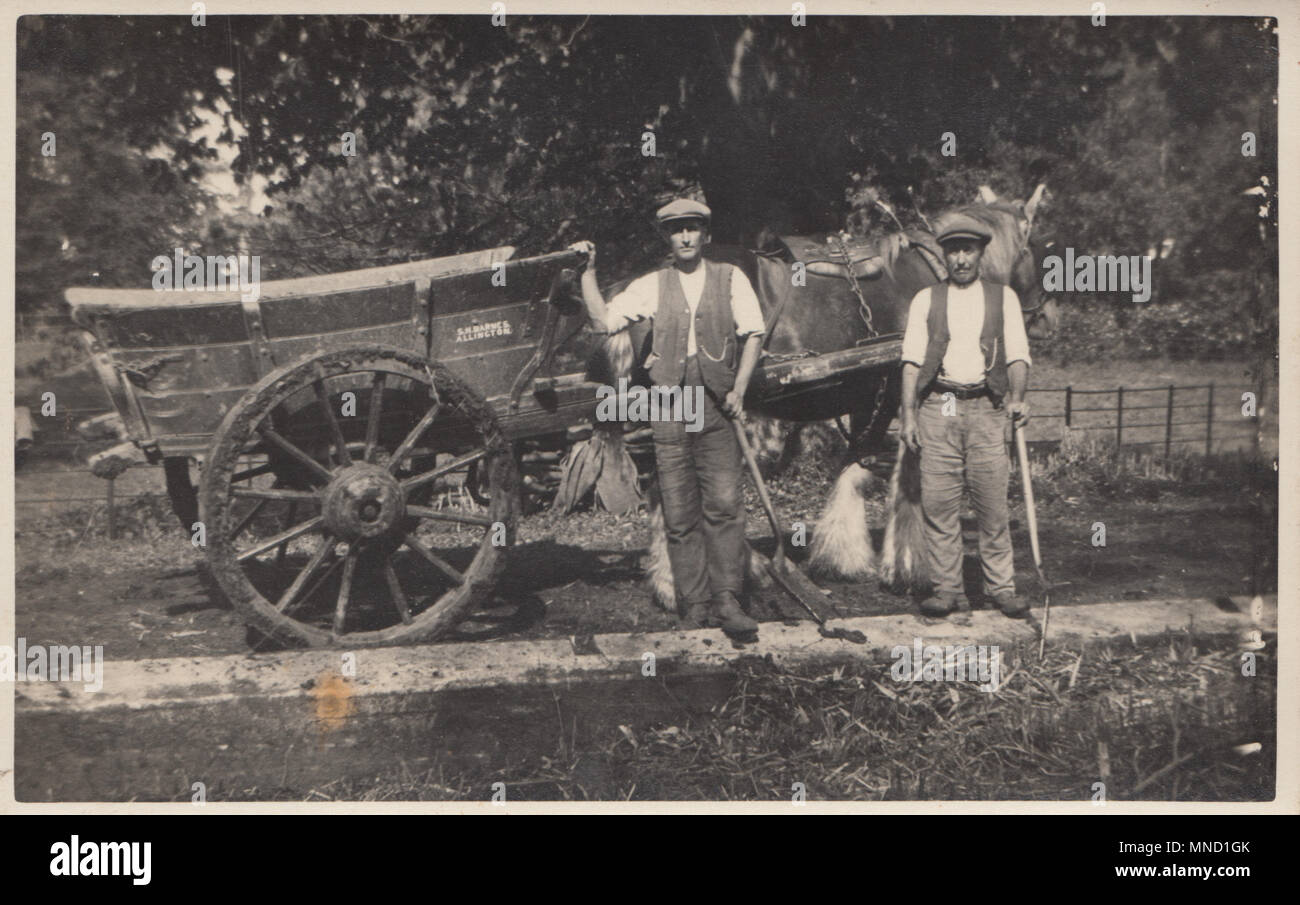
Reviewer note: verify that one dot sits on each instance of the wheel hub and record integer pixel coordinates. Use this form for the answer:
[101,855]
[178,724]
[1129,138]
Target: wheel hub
[363,501]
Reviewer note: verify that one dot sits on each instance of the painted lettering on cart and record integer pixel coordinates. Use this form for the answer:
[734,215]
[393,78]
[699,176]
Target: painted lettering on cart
[483,331]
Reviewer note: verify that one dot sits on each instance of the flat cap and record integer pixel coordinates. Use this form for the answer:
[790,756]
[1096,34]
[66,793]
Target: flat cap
[961,226]
[682,209]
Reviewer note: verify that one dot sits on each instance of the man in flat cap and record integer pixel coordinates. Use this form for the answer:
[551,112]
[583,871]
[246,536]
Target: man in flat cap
[966,359]
[708,330]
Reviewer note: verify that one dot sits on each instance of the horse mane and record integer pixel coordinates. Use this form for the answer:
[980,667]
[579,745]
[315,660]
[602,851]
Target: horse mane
[891,247]
[892,244]
[988,212]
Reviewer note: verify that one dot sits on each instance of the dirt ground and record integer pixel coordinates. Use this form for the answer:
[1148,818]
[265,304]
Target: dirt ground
[574,575]
[148,595]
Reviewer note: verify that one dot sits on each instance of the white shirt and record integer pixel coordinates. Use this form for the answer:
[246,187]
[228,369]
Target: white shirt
[964,362]
[640,300]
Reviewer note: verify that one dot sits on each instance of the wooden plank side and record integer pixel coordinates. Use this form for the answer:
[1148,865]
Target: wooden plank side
[552,411]
[192,325]
[177,414]
[490,374]
[338,311]
[287,350]
[158,373]
[485,330]
[525,281]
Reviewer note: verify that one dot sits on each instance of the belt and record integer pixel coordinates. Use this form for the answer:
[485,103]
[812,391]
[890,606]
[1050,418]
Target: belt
[961,392]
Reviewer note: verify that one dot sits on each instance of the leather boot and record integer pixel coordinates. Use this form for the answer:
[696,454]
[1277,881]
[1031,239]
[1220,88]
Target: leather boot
[728,616]
[1012,605]
[698,615]
[939,605]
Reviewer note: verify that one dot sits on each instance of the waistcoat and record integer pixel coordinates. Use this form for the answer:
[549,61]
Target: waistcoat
[715,331]
[992,345]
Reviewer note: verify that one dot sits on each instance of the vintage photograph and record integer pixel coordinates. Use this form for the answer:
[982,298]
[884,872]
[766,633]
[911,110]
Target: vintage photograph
[769,407]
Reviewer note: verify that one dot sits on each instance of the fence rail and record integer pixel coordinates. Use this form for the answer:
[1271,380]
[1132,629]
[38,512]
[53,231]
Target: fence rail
[1215,426]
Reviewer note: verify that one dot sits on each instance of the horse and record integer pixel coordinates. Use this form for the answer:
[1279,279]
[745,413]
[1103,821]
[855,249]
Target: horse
[852,291]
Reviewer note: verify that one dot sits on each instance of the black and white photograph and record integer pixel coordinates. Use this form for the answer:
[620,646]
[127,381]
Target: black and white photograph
[758,407]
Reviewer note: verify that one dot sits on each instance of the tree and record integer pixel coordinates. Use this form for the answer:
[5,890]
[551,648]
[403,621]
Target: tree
[534,134]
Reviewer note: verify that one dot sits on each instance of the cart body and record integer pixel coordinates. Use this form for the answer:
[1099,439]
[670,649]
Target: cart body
[175,362]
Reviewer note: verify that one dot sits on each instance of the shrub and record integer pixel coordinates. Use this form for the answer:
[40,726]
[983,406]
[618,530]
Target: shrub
[1211,317]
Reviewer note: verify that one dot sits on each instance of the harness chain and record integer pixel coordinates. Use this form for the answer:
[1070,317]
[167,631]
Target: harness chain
[865,311]
[863,308]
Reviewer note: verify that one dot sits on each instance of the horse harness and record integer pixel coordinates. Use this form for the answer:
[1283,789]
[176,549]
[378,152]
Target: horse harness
[841,250]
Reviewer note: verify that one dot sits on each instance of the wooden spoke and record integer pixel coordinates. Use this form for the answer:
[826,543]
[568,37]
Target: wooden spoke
[411,483]
[301,579]
[343,457]
[416,432]
[284,547]
[315,467]
[345,591]
[289,448]
[279,539]
[438,562]
[273,493]
[399,598]
[449,515]
[321,579]
[372,419]
[255,471]
[244,522]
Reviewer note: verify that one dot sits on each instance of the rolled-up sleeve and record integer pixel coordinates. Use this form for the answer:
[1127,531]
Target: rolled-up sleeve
[1013,328]
[635,303]
[916,336]
[745,310]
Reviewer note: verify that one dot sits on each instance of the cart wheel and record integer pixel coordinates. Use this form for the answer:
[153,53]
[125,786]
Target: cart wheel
[377,540]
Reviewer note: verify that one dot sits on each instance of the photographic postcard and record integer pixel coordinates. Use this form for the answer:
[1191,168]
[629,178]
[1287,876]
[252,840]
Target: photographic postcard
[778,407]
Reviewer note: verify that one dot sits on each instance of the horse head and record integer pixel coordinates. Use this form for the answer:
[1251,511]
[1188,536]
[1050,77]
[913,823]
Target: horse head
[825,287]
[1014,256]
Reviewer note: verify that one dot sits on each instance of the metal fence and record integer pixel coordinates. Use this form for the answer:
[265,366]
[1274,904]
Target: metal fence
[1207,414]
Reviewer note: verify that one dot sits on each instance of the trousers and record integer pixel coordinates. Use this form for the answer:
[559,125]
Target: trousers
[965,450]
[704,516]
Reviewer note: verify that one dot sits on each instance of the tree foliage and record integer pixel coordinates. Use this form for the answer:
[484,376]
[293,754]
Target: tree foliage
[471,135]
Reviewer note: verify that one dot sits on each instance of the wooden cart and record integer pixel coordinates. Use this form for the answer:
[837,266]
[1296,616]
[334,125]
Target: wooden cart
[344,425]
[336,422]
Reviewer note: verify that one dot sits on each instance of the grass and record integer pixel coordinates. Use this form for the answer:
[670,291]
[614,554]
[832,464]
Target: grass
[1084,465]
[1160,721]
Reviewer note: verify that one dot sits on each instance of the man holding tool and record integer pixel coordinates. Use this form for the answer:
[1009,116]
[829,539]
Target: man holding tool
[701,312]
[966,359]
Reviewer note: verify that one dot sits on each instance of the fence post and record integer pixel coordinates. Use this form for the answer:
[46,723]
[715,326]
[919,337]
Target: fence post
[1119,420]
[1069,395]
[1169,420]
[1209,420]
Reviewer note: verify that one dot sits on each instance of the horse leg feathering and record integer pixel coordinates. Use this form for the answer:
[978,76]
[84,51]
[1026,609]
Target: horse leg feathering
[902,560]
[842,543]
[658,568]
